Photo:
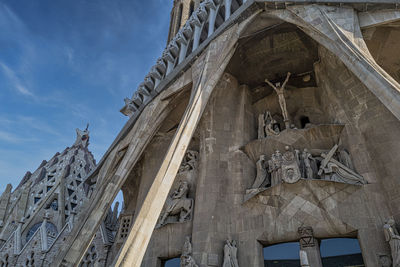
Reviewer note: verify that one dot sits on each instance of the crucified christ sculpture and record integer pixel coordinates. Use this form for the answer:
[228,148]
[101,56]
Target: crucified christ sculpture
[280,90]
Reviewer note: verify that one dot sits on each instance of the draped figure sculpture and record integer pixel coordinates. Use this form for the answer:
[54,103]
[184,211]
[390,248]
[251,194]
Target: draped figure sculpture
[262,179]
[230,254]
[392,236]
[280,91]
[187,258]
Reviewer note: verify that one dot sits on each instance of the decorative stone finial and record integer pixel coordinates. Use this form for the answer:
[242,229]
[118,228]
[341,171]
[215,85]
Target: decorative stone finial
[82,137]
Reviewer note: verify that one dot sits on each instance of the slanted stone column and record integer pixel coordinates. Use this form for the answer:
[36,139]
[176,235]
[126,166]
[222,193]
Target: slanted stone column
[228,4]
[309,248]
[4,200]
[43,232]
[17,238]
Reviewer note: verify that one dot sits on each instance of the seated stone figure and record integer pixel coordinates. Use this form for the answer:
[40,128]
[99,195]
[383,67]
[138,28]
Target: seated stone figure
[178,204]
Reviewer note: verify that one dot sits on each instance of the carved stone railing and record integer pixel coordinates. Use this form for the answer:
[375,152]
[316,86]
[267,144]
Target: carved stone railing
[199,29]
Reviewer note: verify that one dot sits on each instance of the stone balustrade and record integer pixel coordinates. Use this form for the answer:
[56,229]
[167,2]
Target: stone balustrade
[199,28]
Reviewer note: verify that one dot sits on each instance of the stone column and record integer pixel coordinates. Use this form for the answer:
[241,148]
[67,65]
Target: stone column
[43,232]
[17,238]
[4,200]
[309,248]
[228,4]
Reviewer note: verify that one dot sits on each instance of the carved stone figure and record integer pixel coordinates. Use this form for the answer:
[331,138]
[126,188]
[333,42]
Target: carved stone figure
[178,204]
[190,161]
[333,170]
[309,165]
[385,260]
[392,236]
[290,168]
[271,125]
[230,254]
[267,126]
[344,158]
[275,168]
[262,178]
[186,258]
[261,126]
[280,90]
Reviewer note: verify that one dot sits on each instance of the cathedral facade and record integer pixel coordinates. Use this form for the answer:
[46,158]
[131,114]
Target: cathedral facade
[263,123]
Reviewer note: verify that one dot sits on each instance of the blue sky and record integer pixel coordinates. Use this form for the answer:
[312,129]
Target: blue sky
[67,63]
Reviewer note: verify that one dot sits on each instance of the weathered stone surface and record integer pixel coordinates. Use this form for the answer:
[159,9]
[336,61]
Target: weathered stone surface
[344,125]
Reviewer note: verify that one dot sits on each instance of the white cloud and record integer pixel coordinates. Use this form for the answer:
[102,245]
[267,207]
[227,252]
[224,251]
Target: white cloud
[14,80]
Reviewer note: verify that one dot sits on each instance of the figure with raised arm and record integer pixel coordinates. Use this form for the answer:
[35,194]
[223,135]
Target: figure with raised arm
[280,91]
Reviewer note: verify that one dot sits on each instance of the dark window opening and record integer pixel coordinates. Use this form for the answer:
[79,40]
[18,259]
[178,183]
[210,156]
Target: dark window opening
[191,8]
[174,262]
[304,120]
[282,255]
[341,252]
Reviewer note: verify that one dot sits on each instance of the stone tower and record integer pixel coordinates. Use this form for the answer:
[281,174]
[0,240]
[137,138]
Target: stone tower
[36,216]
[181,11]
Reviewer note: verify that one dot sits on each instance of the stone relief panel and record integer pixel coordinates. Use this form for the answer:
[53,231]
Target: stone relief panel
[289,167]
[179,205]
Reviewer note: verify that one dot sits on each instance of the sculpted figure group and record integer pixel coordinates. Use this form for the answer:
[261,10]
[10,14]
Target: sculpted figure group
[289,167]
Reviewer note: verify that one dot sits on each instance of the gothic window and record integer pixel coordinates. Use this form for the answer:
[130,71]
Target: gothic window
[4,261]
[53,205]
[51,230]
[30,260]
[90,257]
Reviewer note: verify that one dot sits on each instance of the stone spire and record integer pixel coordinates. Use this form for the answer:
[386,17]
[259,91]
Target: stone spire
[82,137]
[180,13]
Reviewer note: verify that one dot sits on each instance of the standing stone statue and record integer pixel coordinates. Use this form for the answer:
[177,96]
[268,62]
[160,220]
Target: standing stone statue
[178,204]
[261,126]
[308,164]
[280,90]
[262,178]
[187,258]
[275,168]
[392,236]
[230,254]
